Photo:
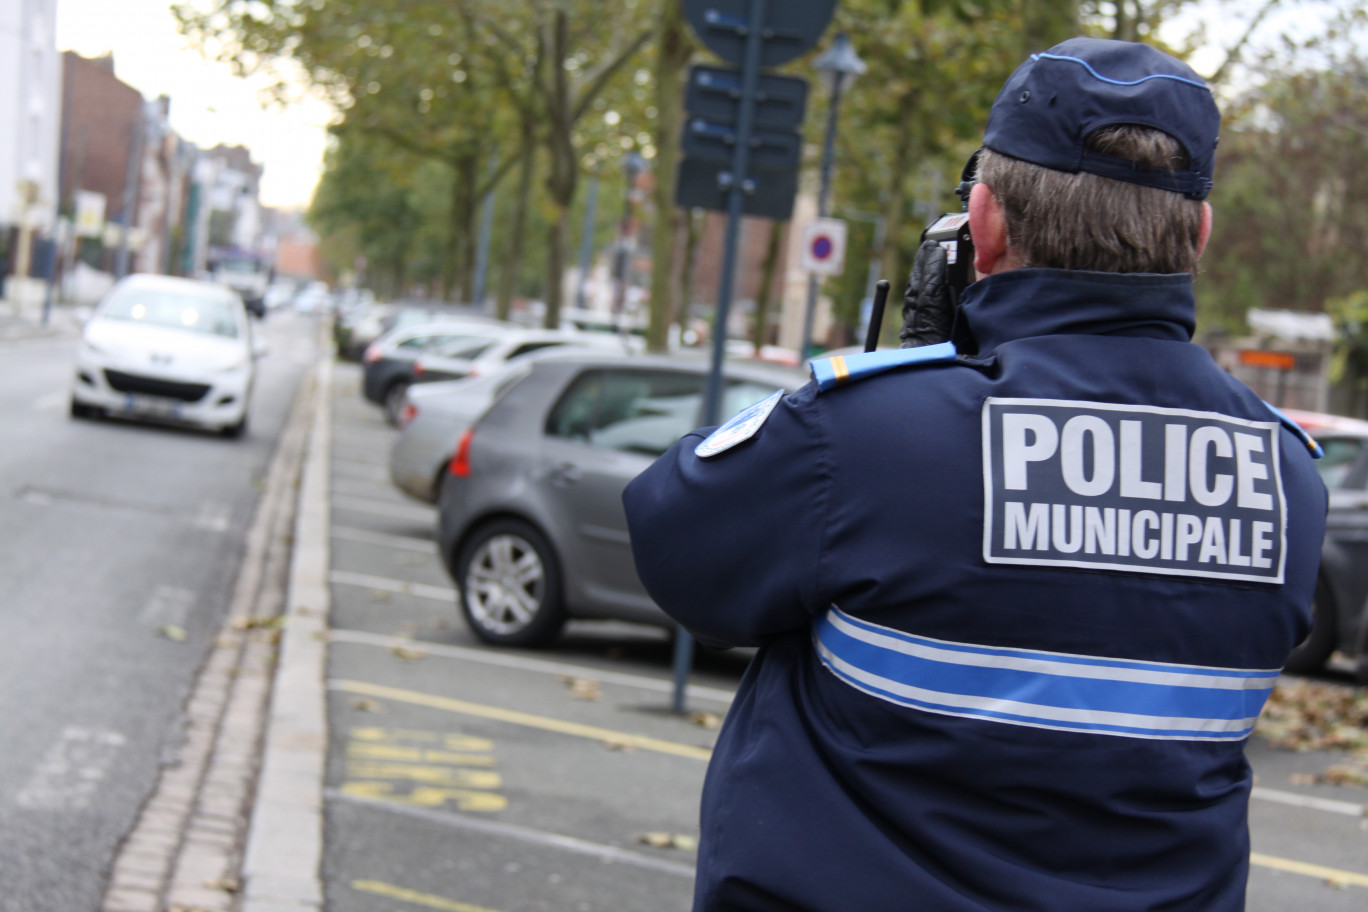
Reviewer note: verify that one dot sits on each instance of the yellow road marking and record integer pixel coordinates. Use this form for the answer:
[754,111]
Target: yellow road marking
[452,742]
[427,796]
[1334,875]
[428,775]
[514,717]
[413,896]
[370,751]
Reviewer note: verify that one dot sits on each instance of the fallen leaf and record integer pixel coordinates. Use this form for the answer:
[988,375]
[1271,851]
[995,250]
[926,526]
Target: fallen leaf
[366,704]
[407,654]
[1301,778]
[622,746]
[380,595]
[227,884]
[706,719]
[259,622]
[669,841]
[582,688]
[172,632]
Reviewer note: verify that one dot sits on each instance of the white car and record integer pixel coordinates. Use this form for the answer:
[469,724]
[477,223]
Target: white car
[168,349]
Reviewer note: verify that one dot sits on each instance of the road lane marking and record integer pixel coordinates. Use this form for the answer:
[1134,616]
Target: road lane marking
[169,606]
[54,400]
[1333,875]
[387,584]
[216,517]
[515,717]
[522,663]
[72,770]
[366,537]
[1329,805]
[403,894]
[384,508]
[503,830]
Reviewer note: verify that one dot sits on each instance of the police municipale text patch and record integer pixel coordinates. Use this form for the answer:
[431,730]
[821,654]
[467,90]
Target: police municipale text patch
[1133,488]
[740,428]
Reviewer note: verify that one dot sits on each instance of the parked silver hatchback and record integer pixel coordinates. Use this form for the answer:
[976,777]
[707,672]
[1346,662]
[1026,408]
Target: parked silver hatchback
[531,526]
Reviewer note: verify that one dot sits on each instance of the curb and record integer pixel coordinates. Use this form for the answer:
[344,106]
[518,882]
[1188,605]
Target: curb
[283,858]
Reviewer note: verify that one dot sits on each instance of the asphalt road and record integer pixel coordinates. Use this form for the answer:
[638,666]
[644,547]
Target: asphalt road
[122,542]
[473,779]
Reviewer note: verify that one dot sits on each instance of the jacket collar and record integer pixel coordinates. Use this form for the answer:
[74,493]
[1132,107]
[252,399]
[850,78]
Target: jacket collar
[1038,302]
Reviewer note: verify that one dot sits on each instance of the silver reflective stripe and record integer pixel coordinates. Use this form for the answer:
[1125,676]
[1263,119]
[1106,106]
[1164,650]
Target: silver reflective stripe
[1055,690]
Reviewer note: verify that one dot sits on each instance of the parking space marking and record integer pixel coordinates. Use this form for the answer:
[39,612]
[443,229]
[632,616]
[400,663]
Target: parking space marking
[1329,805]
[516,717]
[366,537]
[1332,875]
[372,471]
[427,900]
[502,830]
[385,508]
[522,663]
[388,584]
[423,768]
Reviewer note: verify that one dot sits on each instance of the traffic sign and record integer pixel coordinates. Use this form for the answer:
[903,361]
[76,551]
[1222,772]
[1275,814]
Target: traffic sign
[715,93]
[789,28]
[715,141]
[824,244]
[706,185]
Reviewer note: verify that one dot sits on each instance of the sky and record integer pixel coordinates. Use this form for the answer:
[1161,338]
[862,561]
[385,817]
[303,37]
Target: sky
[209,105]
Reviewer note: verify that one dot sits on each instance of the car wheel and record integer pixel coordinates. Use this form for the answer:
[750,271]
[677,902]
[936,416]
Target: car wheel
[1311,654]
[235,431]
[394,400]
[510,585]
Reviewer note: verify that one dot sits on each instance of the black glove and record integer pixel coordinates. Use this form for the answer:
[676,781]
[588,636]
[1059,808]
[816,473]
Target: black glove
[928,309]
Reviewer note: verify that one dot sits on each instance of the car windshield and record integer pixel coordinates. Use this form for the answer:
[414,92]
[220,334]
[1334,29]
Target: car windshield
[1341,454]
[193,312]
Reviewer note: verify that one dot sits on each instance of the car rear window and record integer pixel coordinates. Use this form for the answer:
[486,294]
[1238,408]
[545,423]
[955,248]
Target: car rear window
[640,411]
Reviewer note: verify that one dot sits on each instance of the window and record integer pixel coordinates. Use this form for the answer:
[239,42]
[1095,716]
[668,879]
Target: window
[640,411]
[193,312]
[1341,455]
[528,347]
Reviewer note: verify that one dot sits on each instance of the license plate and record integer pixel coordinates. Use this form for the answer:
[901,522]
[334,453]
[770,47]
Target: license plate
[152,405]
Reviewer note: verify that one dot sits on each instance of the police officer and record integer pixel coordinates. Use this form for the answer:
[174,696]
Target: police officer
[1019,596]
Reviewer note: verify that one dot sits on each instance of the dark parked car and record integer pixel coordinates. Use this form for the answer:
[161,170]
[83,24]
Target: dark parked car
[532,527]
[1341,615]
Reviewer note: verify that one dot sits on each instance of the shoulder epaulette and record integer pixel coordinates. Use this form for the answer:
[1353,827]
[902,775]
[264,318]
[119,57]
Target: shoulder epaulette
[843,369]
[1316,450]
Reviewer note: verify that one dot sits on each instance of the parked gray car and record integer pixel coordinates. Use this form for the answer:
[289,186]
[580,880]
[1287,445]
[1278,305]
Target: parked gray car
[1341,607]
[531,526]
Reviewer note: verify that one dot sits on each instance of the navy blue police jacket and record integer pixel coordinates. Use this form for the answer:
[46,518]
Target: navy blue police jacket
[1017,614]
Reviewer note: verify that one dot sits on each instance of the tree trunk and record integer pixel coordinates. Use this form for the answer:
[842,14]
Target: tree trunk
[513,241]
[673,49]
[555,265]
[896,195]
[767,271]
[693,230]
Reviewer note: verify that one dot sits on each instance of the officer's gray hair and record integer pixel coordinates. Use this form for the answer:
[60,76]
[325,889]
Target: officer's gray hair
[1083,221]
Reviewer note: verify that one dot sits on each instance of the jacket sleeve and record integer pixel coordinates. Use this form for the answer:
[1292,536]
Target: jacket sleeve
[731,545]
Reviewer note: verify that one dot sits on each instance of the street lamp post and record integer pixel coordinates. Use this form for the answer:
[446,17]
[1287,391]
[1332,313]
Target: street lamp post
[837,67]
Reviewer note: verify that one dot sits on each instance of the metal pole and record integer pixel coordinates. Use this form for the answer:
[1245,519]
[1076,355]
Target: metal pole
[486,228]
[739,185]
[587,240]
[131,184]
[823,204]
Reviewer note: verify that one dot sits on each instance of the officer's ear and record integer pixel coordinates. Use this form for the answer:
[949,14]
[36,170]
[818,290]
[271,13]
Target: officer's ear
[1204,229]
[988,225]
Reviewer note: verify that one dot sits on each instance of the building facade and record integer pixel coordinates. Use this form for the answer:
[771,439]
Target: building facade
[30,116]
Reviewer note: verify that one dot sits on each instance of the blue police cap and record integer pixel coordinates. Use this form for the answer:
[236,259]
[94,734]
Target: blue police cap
[1053,102]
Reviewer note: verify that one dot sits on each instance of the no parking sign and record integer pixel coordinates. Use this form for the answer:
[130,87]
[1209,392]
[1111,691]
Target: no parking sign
[824,243]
